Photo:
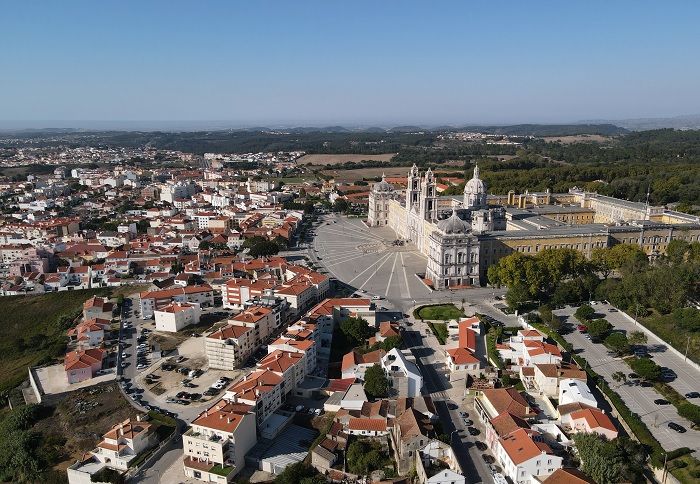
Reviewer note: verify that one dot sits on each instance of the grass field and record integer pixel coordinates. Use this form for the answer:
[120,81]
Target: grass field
[439,312]
[33,330]
[320,160]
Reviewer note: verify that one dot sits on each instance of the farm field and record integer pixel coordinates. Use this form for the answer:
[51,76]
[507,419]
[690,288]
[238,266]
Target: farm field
[581,138]
[321,159]
[354,175]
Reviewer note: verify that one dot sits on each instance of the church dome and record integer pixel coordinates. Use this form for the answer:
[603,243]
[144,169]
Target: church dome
[453,225]
[383,186]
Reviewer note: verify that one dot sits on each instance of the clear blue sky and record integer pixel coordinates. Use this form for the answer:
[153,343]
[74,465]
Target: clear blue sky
[331,62]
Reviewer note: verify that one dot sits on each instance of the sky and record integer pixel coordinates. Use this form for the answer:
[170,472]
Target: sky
[319,63]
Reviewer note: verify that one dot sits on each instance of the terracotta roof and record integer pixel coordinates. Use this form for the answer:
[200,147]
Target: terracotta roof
[568,476]
[369,424]
[508,400]
[82,358]
[521,447]
[354,358]
[594,419]
[462,356]
[231,331]
[252,314]
[565,370]
[223,415]
[127,429]
[280,361]
[506,423]
[412,423]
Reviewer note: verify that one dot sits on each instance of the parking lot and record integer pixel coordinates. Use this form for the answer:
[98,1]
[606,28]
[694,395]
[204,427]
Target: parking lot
[639,399]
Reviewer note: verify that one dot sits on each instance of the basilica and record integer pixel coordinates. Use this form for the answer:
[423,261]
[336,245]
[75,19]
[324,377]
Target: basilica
[462,236]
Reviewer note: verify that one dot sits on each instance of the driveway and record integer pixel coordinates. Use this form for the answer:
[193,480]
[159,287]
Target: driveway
[639,399]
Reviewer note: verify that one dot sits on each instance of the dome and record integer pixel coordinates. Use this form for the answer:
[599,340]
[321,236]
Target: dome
[453,225]
[383,186]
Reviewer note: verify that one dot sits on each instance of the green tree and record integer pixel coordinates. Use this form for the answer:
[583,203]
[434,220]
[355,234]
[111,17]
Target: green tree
[637,338]
[598,328]
[584,313]
[376,383]
[341,205]
[619,377]
[618,343]
[646,368]
[263,249]
[610,461]
[299,473]
[690,411]
[677,250]
[356,330]
[517,296]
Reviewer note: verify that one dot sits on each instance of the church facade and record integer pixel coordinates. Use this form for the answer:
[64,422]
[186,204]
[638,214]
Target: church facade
[462,236]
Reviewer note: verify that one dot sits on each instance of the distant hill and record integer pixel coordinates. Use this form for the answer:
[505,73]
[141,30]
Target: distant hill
[691,121]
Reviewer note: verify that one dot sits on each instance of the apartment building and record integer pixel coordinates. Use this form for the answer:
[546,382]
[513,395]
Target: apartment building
[261,389]
[216,443]
[176,316]
[150,301]
[261,319]
[229,347]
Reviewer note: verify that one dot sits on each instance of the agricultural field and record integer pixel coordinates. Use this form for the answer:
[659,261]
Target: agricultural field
[579,138]
[322,160]
[355,175]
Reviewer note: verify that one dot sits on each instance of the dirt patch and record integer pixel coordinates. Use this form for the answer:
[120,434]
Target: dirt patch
[75,425]
[338,159]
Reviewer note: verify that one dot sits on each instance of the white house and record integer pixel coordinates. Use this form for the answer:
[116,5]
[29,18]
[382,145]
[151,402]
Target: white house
[176,316]
[406,379]
[523,455]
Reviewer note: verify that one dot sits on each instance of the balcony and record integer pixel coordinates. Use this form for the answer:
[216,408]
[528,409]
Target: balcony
[223,470]
[206,438]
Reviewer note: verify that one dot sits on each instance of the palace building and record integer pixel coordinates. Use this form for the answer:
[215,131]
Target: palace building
[462,236]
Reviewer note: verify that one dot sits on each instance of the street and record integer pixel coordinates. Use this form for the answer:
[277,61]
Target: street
[639,399]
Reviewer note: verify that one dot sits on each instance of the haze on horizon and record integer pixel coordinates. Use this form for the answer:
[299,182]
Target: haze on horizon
[361,63]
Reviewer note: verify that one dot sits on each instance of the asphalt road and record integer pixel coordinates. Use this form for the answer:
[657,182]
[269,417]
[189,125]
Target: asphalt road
[639,399]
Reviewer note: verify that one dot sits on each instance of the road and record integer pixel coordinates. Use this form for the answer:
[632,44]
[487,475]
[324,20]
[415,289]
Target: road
[365,259]
[639,399]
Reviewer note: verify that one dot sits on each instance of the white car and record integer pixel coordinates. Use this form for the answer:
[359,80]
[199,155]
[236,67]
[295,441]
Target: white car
[140,366]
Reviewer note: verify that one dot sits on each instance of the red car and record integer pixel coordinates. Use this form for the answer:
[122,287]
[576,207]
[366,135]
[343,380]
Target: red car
[582,327]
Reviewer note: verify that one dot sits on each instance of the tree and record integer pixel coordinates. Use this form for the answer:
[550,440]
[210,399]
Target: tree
[517,296]
[610,461]
[618,343]
[356,330]
[264,248]
[376,383]
[598,328]
[299,473]
[584,313]
[619,377]
[637,338]
[341,205]
[646,368]
[364,457]
[677,250]
[690,411]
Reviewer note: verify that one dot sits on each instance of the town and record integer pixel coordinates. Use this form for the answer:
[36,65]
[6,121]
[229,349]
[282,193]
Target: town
[259,324]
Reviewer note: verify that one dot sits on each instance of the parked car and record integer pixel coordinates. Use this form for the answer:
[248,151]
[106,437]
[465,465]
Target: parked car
[692,395]
[678,428]
[473,431]
[661,401]
[481,446]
